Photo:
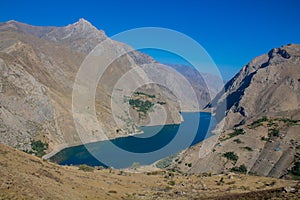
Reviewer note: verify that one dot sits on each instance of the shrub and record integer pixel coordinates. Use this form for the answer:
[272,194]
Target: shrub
[231,156]
[142,93]
[161,102]
[241,169]
[247,148]
[237,132]
[274,132]
[296,169]
[221,181]
[86,168]
[238,141]
[263,138]
[171,183]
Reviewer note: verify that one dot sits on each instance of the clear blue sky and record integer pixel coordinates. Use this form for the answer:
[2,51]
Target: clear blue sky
[233,32]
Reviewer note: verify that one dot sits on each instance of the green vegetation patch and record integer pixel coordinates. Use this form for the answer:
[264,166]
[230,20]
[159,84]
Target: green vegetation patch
[188,164]
[86,168]
[289,122]
[143,102]
[231,156]
[263,138]
[166,162]
[161,102]
[140,105]
[38,148]
[152,96]
[238,141]
[273,122]
[172,183]
[296,169]
[258,122]
[274,132]
[238,131]
[241,169]
[247,148]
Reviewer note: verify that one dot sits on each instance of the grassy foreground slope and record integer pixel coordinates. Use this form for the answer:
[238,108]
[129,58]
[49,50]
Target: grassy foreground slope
[23,176]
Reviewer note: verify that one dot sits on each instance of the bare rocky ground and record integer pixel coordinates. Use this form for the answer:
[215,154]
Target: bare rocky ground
[257,148]
[23,176]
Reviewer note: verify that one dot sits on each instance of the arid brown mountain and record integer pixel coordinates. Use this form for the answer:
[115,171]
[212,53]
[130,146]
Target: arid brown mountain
[38,69]
[258,114]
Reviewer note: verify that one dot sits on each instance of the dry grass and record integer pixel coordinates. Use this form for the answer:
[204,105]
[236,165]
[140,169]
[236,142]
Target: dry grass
[23,176]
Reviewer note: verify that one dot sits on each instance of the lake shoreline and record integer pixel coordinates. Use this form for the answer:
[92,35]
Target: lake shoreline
[124,140]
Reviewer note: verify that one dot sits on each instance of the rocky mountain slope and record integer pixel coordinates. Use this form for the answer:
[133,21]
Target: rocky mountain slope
[197,80]
[258,115]
[38,70]
[23,176]
[268,85]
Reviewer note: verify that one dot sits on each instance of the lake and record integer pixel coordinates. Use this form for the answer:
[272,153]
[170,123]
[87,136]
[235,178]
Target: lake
[154,144]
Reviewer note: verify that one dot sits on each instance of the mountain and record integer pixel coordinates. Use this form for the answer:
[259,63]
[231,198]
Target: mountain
[82,35]
[23,176]
[268,85]
[205,91]
[258,119]
[39,66]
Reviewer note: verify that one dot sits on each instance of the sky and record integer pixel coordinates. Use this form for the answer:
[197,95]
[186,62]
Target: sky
[233,32]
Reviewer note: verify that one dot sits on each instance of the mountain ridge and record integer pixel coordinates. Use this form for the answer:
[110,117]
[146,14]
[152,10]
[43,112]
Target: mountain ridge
[81,35]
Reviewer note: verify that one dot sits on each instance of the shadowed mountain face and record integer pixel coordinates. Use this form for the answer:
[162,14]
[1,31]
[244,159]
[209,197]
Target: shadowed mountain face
[38,68]
[258,113]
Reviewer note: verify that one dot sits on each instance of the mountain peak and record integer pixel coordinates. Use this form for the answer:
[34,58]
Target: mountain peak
[83,24]
[82,21]
[12,21]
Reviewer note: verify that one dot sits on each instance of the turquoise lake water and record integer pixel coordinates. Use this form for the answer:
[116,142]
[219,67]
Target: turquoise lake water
[155,143]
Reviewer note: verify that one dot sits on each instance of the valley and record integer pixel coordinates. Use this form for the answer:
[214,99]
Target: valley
[251,150]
